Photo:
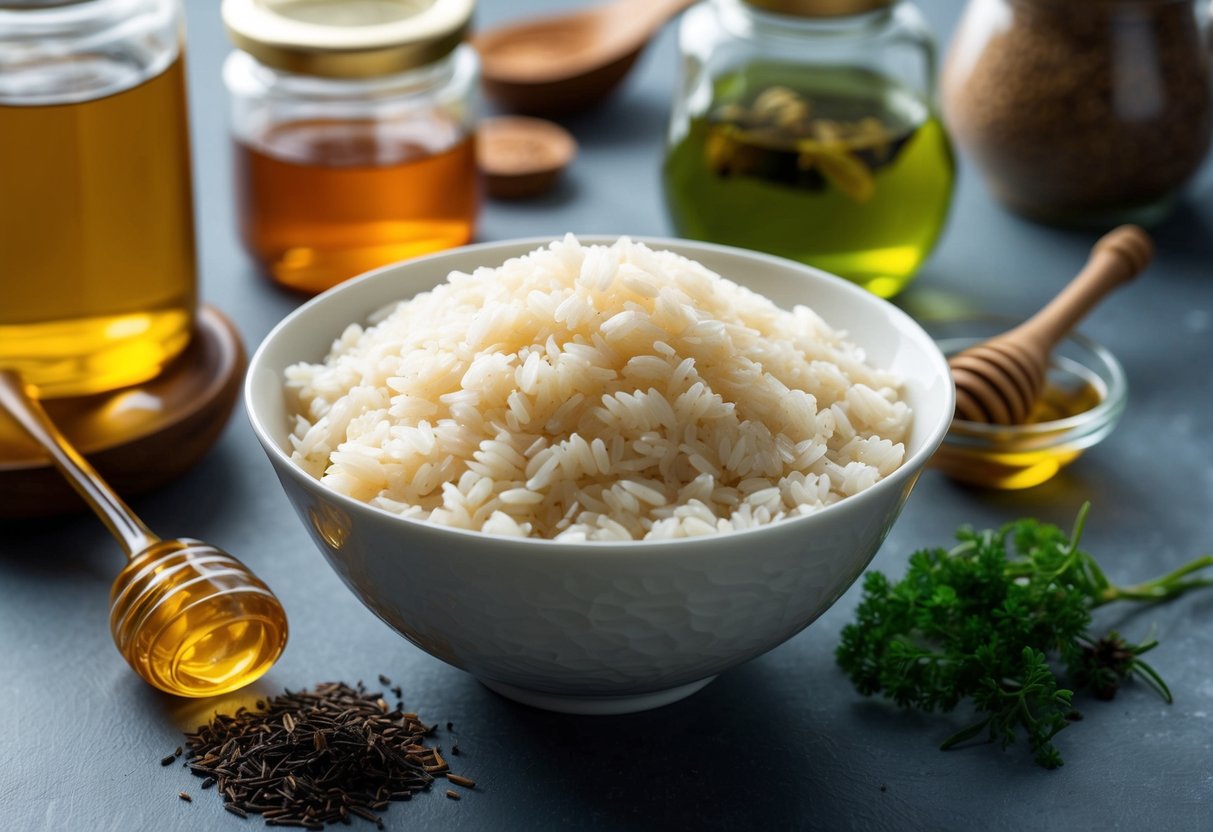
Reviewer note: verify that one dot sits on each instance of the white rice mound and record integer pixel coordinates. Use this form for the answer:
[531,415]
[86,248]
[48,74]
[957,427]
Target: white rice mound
[596,393]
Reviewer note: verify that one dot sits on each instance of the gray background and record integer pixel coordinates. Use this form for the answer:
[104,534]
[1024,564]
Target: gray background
[782,742]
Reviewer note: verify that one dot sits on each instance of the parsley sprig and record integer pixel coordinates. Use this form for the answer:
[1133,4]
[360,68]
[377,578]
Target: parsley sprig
[983,621]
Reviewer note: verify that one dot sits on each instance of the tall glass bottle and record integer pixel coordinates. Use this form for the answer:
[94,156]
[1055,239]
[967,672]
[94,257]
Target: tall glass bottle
[97,268]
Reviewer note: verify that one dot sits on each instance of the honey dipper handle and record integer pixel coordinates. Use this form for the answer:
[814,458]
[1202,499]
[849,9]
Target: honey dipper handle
[118,518]
[1116,258]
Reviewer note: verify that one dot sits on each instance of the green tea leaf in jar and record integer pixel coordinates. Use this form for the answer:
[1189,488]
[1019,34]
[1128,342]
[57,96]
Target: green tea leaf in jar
[782,107]
[842,168]
[777,137]
[845,172]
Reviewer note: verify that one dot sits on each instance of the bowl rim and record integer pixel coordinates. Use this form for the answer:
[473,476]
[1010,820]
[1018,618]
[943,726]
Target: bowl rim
[1107,409]
[909,468]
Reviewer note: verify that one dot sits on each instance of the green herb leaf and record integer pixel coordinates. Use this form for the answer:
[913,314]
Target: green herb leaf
[980,623]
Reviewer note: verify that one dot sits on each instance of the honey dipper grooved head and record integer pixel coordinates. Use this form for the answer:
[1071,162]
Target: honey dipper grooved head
[194,621]
[1003,365]
[999,381]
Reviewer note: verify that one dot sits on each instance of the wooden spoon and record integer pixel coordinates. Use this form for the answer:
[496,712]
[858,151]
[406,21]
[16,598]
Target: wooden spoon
[562,64]
[999,380]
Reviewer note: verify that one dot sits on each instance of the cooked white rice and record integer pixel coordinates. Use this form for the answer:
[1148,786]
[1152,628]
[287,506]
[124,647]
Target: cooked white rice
[596,393]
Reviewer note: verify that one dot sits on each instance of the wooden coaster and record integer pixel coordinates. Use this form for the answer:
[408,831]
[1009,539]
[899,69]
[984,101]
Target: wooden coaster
[522,157]
[138,437]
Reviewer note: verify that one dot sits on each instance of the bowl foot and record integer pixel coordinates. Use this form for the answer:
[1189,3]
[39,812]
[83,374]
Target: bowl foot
[596,705]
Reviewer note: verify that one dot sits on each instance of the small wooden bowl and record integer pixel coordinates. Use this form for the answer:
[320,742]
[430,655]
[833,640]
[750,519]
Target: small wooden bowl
[522,157]
[138,437]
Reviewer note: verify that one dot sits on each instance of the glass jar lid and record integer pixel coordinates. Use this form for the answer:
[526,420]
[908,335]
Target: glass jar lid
[347,38]
[819,8]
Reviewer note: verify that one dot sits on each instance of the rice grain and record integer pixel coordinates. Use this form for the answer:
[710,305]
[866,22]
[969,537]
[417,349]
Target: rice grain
[596,393]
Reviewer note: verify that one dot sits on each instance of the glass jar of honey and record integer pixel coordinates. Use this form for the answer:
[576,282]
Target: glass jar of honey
[354,133]
[97,270]
[807,129]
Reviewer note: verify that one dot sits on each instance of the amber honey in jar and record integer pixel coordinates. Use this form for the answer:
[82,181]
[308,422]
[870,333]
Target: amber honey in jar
[97,271]
[353,133]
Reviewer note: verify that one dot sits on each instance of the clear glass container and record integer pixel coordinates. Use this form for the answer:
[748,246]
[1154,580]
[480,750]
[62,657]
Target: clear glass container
[97,266]
[807,129]
[354,143]
[1084,397]
[1085,113]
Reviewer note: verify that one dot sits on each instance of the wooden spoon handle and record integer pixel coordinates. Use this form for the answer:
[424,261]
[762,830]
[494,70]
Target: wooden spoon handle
[651,15]
[1117,257]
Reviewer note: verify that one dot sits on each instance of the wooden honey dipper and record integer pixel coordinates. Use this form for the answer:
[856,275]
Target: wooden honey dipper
[998,380]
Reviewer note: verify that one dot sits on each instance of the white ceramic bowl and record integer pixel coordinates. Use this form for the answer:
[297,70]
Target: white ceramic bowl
[601,627]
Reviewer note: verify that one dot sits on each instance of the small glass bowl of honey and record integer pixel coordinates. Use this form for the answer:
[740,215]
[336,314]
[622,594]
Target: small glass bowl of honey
[1084,396]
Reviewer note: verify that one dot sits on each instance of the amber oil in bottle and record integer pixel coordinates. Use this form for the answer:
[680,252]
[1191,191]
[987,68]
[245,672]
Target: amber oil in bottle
[97,270]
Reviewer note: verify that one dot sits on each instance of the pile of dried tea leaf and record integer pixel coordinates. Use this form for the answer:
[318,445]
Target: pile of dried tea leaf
[317,757]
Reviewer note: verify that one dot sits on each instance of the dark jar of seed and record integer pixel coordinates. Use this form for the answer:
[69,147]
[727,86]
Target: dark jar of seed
[808,129]
[1082,112]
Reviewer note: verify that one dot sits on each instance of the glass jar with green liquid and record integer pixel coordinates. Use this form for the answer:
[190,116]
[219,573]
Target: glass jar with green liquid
[807,129]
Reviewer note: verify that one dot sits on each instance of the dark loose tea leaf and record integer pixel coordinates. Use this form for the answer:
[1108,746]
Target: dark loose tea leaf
[312,758]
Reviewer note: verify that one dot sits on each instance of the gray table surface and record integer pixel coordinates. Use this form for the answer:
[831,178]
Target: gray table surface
[782,742]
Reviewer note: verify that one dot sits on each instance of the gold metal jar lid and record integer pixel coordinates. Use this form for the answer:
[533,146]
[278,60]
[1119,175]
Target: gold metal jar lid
[347,38]
[819,8]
